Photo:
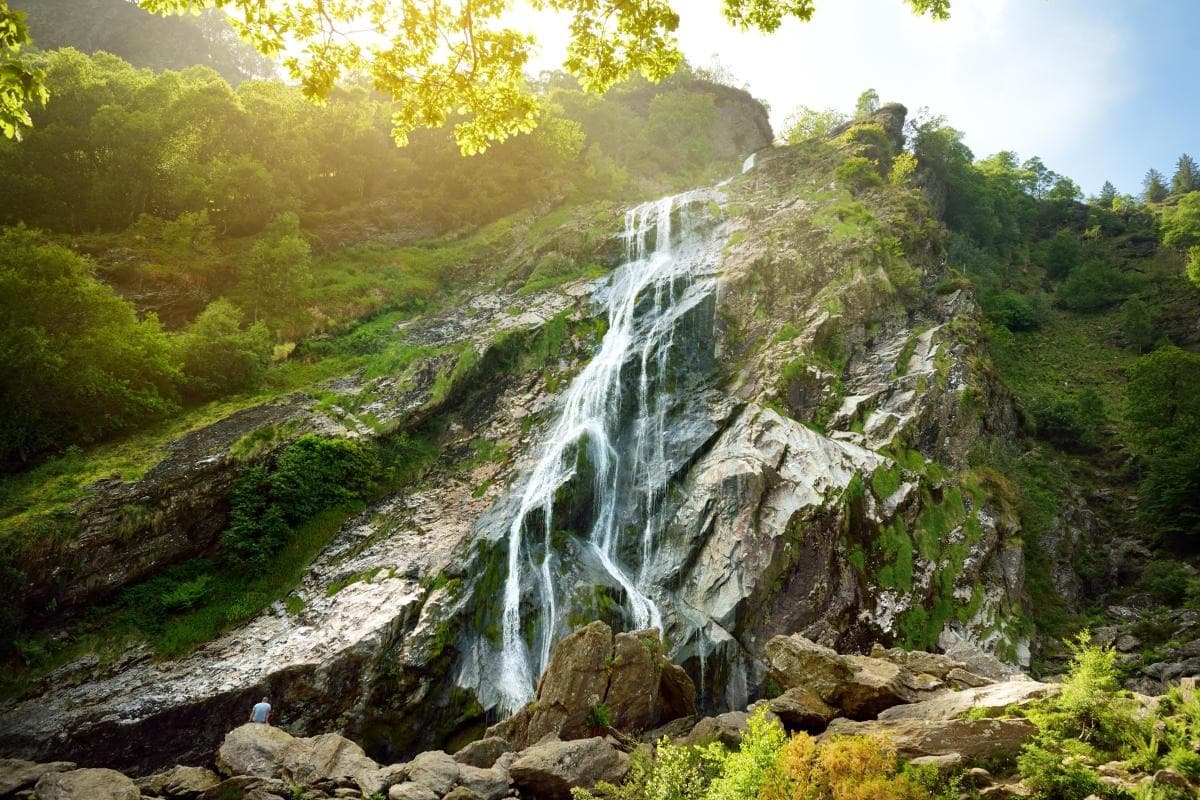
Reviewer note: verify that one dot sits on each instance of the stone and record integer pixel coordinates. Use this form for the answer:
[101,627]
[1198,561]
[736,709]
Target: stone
[547,771]
[487,784]
[253,749]
[1127,643]
[326,757]
[411,791]
[634,679]
[575,680]
[17,774]
[992,698]
[918,661]
[676,692]
[799,708]
[1169,777]
[483,752]
[912,738]
[383,779]
[727,728]
[86,784]
[461,793]
[675,729]
[434,769]
[947,762]
[797,661]
[961,679]
[977,778]
[178,782]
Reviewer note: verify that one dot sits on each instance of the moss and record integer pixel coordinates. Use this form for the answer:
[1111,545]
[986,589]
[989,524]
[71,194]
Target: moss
[885,480]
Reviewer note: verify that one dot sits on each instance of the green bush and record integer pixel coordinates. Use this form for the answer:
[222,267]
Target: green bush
[1063,422]
[219,356]
[1012,310]
[1167,581]
[1092,287]
[1060,254]
[858,173]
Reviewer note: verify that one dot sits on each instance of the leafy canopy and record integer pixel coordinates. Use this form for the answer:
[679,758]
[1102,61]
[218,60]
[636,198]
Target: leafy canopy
[439,61]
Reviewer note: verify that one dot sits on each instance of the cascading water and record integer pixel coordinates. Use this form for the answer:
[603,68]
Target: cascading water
[670,260]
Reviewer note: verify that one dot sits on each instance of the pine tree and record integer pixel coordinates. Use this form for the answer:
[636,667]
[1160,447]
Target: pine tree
[1187,176]
[1108,193]
[1154,187]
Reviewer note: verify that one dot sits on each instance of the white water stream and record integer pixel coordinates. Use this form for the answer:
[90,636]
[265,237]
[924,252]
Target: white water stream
[671,255]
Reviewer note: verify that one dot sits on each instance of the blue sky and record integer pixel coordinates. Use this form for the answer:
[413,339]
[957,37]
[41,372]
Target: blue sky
[1100,89]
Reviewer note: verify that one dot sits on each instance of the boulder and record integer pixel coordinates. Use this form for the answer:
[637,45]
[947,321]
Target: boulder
[799,708]
[575,680]
[434,769]
[17,774]
[461,793]
[727,728]
[411,791]
[632,692]
[178,782]
[486,784]
[86,784]
[326,757]
[913,738]
[383,779]
[961,679]
[796,661]
[483,752]
[992,699]
[918,661]
[949,762]
[548,771]
[244,786]
[253,749]
[676,692]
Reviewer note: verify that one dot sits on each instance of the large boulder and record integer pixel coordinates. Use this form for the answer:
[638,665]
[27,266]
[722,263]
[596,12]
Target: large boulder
[914,738]
[727,728]
[488,784]
[483,752]
[626,674]
[801,709]
[548,771]
[411,791]
[434,769]
[988,700]
[859,686]
[575,681]
[86,784]
[326,757]
[178,782]
[17,774]
[632,692]
[253,749]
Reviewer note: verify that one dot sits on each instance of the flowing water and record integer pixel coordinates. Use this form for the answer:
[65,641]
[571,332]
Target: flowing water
[611,431]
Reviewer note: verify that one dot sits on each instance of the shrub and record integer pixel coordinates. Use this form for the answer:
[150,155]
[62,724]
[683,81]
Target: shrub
[745,772]
[1063,422]
[858,173]
[845,768]
[1012,310]
[219,356]
[1091,287]
[1060,254]
[1167,581]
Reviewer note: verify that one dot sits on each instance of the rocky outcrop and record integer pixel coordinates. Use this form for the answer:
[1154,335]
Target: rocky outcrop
[254,749]
[178,782]
[597,681]
[972,739]
[17,774]
[551,769]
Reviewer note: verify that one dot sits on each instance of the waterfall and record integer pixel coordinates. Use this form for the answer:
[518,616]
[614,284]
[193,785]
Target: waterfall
[671,254]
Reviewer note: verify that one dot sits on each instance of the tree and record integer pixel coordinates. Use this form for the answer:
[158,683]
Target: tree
[443,61]
[1060,254]
[806,123]
[219,356]
[1154,187]
[1108,193]
[1187,176]
[276,269]
[868,103]
[21,84]
[1181,224]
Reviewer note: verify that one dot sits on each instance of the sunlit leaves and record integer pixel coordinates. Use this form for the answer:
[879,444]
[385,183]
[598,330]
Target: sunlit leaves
[441,61]
[21,84]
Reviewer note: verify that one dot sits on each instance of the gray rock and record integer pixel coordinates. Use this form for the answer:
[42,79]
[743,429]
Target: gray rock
[548,771]
[487,784]
[326,757]
[178,782]
[86,784]
[1127,643]
[461,793]
[948,762]
[483,752]
[435,770]
[411,791]
[912,738]
[383,779]
[727,728]
[253,749]
[17,774]
[799,708]
[992,698]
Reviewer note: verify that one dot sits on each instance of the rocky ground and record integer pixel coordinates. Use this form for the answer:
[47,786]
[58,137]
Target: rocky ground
[605,697]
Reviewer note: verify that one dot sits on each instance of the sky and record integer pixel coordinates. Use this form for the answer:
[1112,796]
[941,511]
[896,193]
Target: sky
[1099,89]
